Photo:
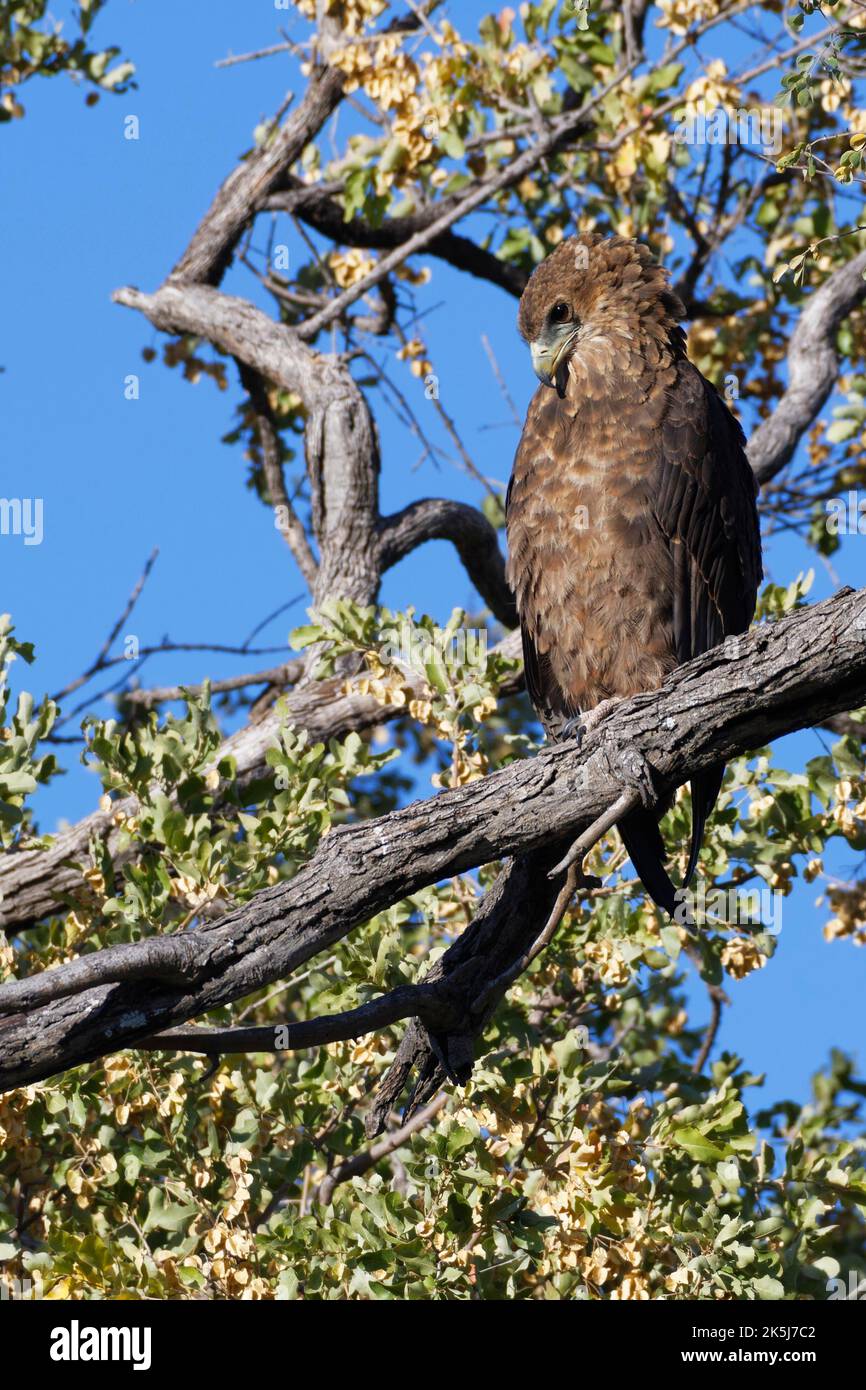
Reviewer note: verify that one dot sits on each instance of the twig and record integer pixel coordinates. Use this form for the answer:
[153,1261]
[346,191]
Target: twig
[161,694]
[593,833]
[717,999]
[100,663]
[233,58]
[361,1162]
[506,394]
[166,646]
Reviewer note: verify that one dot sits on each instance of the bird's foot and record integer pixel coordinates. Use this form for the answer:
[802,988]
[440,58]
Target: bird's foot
[583,724]
[573,728]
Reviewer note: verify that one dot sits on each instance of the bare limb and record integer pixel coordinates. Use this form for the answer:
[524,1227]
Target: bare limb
[469,531]
[290,529]
[717,999]
[341,444]
[366,1159]
[210,252]
[286,674]
[813,367]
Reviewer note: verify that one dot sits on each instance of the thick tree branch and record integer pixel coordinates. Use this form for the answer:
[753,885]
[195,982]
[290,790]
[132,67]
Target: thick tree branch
[210,252]
[505,925]
[424,1001]
[813,367]
[340,439]
[471,534]
[787,675]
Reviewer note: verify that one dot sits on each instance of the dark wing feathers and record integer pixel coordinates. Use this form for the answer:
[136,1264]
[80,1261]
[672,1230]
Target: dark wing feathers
[707,511]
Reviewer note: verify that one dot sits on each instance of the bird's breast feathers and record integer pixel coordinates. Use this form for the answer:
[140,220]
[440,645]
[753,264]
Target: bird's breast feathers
[590,572]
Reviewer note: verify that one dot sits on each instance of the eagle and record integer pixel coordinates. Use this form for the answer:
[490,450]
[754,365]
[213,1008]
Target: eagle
[631,517]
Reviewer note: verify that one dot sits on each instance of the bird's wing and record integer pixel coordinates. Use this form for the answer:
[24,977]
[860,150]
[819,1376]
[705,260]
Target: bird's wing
[706,509]
[704,504]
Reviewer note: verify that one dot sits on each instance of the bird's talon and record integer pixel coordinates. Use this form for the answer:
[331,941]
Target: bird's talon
[574,728]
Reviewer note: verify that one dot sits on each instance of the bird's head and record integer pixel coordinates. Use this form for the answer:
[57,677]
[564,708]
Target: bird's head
[595,298]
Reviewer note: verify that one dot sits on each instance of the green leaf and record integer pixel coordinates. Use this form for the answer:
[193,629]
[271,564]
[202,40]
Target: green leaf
[699,1147]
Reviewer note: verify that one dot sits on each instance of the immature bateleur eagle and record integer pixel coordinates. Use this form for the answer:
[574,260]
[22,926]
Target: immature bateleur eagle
[632,529]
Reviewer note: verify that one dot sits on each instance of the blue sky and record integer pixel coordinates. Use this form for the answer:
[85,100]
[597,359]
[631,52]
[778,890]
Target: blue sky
[91,211]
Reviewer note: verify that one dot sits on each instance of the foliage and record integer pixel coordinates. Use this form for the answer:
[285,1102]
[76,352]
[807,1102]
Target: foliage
[22,766]
[32,44]
[585,1159]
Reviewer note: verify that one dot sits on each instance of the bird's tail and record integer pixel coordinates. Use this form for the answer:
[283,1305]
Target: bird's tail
[646,849]
[705,790]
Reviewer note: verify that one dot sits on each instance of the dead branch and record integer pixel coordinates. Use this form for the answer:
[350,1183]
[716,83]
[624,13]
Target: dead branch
[473,537]
[813,368]
[366,1159]
[291,528]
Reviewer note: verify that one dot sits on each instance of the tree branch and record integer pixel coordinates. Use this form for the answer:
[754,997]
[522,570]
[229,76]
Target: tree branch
[471,534]
[424,1001]
[340,439]
[813,366]
[805,668]
[366,1159]
[210,252]
[286,674]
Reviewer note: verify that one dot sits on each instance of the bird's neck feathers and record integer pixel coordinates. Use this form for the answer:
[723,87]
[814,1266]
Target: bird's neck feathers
[627,348]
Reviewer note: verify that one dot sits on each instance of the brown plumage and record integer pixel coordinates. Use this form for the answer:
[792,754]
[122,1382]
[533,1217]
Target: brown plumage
[632,529]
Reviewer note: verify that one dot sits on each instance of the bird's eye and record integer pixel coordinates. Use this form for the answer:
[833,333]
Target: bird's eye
[560,313]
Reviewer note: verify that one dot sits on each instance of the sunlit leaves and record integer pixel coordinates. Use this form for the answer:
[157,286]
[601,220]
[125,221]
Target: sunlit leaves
[33,43]
[23,766]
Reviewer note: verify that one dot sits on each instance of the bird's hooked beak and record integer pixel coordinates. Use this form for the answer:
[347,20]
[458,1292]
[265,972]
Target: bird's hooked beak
[550,353]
